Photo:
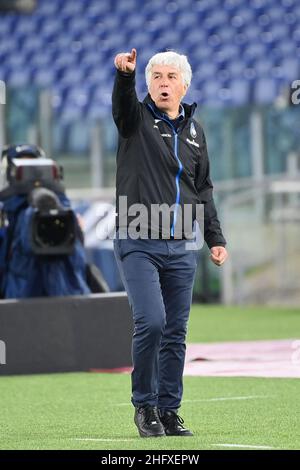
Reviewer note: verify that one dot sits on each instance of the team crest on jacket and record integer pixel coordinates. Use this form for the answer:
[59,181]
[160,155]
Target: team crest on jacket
[193,130]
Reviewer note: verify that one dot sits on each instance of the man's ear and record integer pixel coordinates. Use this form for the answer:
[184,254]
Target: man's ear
[185,88]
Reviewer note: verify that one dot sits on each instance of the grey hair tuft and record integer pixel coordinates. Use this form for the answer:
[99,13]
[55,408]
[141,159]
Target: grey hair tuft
[173,59]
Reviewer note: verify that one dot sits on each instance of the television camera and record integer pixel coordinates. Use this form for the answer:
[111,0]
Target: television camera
[26,171]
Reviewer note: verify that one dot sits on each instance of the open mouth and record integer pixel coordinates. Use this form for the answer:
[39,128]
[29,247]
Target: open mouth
[164,94]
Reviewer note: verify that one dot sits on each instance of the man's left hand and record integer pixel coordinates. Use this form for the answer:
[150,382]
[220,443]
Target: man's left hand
[218,255]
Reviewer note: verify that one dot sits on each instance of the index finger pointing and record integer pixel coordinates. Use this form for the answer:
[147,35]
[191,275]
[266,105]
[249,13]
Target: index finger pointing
[133,54]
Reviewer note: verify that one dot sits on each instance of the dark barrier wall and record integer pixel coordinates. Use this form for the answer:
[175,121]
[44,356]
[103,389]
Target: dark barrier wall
[65,334]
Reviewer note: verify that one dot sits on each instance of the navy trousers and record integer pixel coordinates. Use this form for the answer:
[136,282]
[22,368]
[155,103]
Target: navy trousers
[158,276]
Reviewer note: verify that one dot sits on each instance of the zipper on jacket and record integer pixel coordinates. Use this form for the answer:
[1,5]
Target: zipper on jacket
[180,168]
[177,180]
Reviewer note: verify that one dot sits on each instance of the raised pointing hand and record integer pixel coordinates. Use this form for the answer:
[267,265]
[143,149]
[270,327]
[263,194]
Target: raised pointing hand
[125,61]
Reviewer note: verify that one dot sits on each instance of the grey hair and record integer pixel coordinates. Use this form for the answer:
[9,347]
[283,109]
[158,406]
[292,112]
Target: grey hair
[173,59]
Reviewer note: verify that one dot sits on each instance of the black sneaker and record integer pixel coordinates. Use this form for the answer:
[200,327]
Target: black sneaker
[173,424]
[147,421]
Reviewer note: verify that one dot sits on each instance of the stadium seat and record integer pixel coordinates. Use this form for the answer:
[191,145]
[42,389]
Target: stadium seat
[265,91]
[240,91]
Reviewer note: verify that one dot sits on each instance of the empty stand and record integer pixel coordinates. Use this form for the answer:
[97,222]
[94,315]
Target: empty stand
[240,54]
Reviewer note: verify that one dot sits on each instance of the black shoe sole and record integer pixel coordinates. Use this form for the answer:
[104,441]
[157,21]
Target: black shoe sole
[142,434]
[180,435]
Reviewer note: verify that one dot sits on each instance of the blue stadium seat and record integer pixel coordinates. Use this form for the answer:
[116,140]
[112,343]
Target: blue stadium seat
[240,92]
[138,39]
[265,91]
[143,57]
[255,50]
[41,60]
[31,44]
[12,58]
[7,46]
[73,9]
[291,68]
[72,76]
[18,77]
[27,26]
[168,39]
[236,69]
[217,18]
[126,6]
[46,9]
[63,59]
[43,77]
[187,21]
[156,22]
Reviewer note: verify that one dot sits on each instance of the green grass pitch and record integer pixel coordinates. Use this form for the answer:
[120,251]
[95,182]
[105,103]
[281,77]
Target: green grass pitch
[93,411]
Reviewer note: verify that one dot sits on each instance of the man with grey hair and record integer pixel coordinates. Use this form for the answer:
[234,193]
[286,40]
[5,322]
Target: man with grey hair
[162,160]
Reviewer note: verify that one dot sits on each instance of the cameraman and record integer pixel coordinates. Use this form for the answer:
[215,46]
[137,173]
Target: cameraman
[38,211]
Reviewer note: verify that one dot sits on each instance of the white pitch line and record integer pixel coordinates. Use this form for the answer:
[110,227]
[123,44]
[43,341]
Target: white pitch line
[100,439]
[243,446]
[250,397]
